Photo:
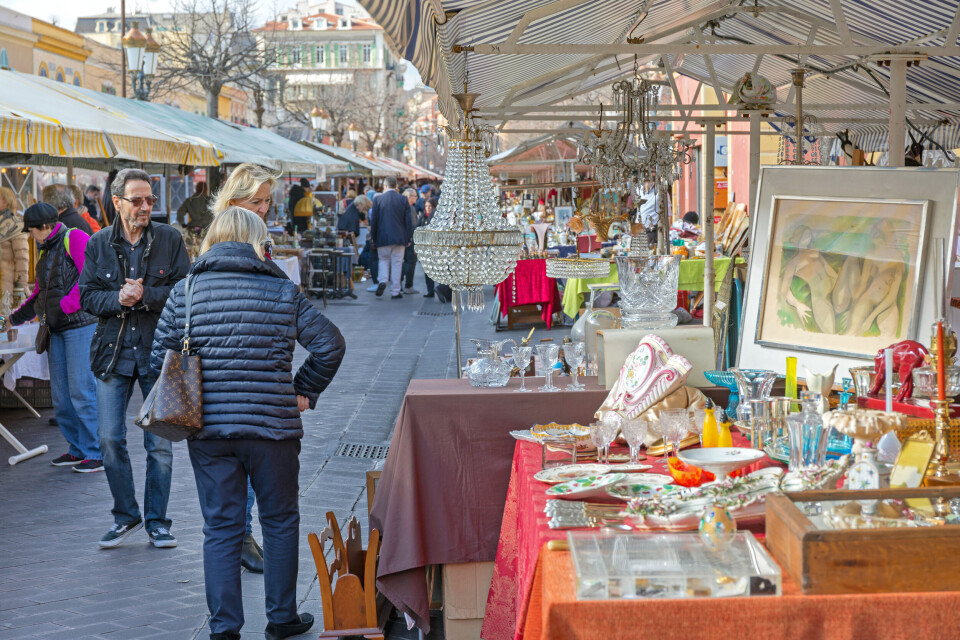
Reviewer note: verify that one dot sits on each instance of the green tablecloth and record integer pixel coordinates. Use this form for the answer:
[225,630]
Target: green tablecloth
[691,279]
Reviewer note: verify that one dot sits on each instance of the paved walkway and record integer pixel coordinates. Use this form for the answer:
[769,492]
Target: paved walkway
[56,582]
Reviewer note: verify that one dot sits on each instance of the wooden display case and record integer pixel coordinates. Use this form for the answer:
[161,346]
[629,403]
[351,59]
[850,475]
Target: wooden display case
[823,559]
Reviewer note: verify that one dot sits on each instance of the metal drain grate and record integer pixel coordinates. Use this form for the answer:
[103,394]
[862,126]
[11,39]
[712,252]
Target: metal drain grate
[434,314]
[356,450]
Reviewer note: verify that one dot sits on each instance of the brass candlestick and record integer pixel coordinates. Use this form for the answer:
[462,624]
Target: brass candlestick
[941,411]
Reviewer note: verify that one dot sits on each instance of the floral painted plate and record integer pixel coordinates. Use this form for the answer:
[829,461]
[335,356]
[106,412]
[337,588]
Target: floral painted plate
[627,491]
[653,479]
[553,431]
[584,487]
[556,475]
[628,468]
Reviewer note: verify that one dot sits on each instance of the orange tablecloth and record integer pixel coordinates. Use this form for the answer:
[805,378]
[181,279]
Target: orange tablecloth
[554,612]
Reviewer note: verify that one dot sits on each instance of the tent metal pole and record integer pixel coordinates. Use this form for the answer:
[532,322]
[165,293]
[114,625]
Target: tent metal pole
[706,213]
[898,119]
[754,162]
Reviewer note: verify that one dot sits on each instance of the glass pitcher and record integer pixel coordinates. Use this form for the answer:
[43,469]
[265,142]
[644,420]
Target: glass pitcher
[489,369]
[593,320]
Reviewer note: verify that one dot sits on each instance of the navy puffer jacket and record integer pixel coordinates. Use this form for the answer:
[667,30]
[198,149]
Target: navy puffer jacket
[245,318]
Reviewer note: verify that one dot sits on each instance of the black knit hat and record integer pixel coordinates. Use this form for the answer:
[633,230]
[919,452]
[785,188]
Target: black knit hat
[38,215]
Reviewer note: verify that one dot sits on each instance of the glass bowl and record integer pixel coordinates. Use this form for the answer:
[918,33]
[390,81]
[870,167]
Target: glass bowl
[925,382]
[863,380]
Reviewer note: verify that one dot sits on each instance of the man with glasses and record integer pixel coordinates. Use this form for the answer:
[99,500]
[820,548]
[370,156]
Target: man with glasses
[128,273]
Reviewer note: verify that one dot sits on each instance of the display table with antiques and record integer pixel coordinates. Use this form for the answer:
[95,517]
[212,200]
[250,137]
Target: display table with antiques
[11,352]
[528,295]
[691,279]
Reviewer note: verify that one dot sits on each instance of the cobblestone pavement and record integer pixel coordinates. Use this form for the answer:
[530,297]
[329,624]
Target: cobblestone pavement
[56,582]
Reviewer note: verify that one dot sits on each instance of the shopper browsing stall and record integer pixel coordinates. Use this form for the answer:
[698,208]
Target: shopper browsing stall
[245,319]
[56,301]
[129,270]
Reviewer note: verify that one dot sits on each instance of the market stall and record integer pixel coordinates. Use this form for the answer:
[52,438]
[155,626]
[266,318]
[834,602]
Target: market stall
[528,294]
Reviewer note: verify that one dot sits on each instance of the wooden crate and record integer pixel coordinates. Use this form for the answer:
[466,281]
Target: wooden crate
[834,561]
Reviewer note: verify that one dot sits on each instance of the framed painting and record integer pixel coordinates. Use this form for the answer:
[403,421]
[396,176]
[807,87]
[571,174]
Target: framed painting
[841,275]
[884,220]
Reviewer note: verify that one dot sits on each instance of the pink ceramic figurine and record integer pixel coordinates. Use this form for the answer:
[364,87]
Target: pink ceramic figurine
[907,356]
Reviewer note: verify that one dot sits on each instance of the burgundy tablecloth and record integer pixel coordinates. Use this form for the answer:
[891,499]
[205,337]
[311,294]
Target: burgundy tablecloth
[441,493]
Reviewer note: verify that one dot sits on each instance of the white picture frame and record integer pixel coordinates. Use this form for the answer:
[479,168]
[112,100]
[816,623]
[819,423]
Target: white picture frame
[938,188]
[561,216]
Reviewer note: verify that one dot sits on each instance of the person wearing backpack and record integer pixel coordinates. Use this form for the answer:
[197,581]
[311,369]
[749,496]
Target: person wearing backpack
[56,301]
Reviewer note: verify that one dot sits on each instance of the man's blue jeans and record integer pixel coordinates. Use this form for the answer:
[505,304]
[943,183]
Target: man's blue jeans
[113,396]
[74,390]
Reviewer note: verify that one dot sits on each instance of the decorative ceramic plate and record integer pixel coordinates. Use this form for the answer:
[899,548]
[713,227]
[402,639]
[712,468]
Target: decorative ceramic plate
[554,431]
[655,479]
[628,468]
[567,472]
[627,491]
[525,435]
[584,487]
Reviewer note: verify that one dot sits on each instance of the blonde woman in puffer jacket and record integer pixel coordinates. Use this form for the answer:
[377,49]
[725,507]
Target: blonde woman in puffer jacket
[14,248]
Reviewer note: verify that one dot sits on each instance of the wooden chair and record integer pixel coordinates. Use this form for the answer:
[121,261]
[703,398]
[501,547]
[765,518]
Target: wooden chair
[351,604]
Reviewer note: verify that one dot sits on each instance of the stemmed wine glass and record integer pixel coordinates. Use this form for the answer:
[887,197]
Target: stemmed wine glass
[635,432]
[698,416]
[674,425]
[548,354]
[521,359]
[575,352]
[609,428]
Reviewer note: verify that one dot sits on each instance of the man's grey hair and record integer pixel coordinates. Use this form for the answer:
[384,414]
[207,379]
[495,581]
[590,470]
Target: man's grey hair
[389,182]
[59,196]
[410,192]
[119,185]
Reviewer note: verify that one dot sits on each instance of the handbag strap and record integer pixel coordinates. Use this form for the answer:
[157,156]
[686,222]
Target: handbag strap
[186,327]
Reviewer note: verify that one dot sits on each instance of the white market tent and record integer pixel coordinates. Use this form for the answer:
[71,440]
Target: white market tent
[878,68]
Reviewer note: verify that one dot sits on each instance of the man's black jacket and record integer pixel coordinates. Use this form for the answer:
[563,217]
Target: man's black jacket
[165,262]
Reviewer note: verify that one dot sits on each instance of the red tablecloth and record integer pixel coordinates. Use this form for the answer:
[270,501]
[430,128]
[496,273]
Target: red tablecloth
[529,284]
[523,532]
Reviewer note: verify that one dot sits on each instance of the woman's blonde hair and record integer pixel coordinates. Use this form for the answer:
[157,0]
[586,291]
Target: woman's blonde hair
[236,224]
[9,199]
[351,193]
[241,185]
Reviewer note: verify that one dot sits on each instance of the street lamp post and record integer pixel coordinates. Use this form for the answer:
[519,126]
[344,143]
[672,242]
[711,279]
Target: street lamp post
[319,118]
[353,132]
[141,53]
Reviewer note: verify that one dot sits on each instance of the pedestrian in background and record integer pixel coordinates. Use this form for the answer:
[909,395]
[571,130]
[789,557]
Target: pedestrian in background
[60,196]
[391,227]
[195,211]
[428,208]
[244,322]
[355,212]
[129,270]
[78,204]
[56,301]
[249,187]
[14,250]
[409,254]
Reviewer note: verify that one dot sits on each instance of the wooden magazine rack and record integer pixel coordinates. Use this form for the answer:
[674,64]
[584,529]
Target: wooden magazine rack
[351,604]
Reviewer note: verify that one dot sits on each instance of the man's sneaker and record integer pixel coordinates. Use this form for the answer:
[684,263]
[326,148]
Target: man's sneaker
[66,460]
[428,295]
[89,466]
[161,538]
[410,291]
[381,288]
[399,296]
[119,533]
[372,287]
[294,628]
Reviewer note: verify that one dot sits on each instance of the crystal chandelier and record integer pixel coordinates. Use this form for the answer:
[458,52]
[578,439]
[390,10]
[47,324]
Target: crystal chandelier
[468,243]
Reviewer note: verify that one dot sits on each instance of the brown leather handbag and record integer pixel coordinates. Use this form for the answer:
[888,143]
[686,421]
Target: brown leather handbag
[174,407]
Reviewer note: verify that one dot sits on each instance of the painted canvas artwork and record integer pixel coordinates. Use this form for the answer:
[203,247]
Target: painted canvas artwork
[841,275]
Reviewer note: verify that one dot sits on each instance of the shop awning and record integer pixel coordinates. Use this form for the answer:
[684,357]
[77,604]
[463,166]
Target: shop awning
[42,117]
[356,165]
[408,170]
[525,54]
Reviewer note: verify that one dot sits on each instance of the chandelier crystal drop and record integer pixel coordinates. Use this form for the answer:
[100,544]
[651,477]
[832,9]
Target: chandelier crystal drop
[468,243]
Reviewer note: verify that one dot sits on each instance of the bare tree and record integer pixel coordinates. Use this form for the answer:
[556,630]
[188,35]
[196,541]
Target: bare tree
[210,43]
[339,100]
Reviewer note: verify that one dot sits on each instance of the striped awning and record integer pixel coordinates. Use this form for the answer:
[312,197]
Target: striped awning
[43,117]
[852,88]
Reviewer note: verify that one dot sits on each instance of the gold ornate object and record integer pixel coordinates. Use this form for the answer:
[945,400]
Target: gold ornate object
[941,410]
